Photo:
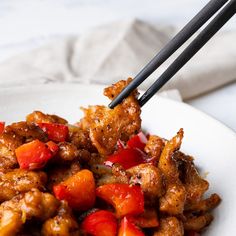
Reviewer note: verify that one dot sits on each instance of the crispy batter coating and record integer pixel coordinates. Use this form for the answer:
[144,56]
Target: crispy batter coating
[170,226]
[11,140]
[106,126]
[197,223]
[63,224]
[80,138]
[167,164]
[107,175]
[154,147]
[173,200]
[22,207]
[40,117]
[27,131]
[7,158]
[20,181]
[10,222]
[150,179]
[194,184]
[67,152]
[204,205]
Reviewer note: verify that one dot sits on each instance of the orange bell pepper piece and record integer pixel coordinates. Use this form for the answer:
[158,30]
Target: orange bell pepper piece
[78,190]
[33,155]
[126,199]
[100,223]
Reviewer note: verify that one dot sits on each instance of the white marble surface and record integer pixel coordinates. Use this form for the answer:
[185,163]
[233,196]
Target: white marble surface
[26,24]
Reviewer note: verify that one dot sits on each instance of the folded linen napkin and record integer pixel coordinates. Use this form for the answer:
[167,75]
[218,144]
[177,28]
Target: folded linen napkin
[119,50]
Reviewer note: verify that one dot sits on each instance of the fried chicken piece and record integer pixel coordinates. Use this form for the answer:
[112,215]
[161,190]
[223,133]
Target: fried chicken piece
[194,184]
[120,174]
[28,131]
[9,141]
[115,174]
[150,180]
[67,152]
[106,126]
[80,138]
[197,223]
[205,205]
[63,224]
[40,117]
[154,147]
[167,164]
[38,205]
[10,222]
[170,226]
[20,181]
[33,204]
[173,200]
[7,158]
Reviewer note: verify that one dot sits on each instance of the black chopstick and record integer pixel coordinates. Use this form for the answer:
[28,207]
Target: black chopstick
[214,26]
[205,14]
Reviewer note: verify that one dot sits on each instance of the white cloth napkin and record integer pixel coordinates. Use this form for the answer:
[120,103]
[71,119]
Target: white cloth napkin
[119,50]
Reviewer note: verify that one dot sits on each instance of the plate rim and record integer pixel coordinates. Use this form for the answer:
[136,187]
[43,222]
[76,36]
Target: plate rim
[67,85]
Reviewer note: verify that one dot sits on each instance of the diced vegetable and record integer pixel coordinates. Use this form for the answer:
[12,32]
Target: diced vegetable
[55,132]
[128,228]
[100,223]
[148,219]
[127,158]
[126,199]
[78,190]
[2,126]
[138,141]
[33,155]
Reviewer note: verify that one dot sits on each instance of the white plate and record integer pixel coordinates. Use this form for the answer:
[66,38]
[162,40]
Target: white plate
[212,144]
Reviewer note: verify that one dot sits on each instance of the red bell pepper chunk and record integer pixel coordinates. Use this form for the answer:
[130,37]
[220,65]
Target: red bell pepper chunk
[55,132]
[128,228]
[100,223]
[78,190]
[2,126]
[127,158]
[137,141]
[126,199]
[148,219]
[53,147]
[33,155]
